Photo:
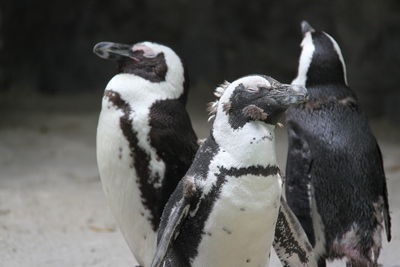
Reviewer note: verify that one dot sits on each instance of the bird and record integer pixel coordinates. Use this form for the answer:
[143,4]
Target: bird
[224,210]
[145,139]
[335,180]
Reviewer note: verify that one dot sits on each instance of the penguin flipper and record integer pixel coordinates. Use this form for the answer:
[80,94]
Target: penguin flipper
[170,224]
[290,242]
[172,133]
[386,214]
[298,179]
[176,142]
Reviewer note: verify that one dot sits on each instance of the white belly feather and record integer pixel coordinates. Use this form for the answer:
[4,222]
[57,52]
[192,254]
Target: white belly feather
[118,177]
[241,226]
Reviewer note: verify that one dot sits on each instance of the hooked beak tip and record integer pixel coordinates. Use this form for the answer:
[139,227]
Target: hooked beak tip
[300,92]
[100,49]
[306,27]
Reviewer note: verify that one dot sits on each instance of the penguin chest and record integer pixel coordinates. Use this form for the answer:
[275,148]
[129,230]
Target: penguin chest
[240,228]
[119,177]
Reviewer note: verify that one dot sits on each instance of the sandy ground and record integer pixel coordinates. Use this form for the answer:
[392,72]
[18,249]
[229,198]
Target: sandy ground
[52,208]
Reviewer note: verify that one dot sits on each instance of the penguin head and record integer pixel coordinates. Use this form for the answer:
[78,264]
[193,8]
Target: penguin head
[154,62]
[254,98]
[321,61]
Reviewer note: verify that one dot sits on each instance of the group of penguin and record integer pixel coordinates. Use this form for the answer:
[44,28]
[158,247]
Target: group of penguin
[183,202]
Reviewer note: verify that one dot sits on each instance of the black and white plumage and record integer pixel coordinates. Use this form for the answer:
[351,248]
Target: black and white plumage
[145,140]
[291,243]
[335,181]
[224,210]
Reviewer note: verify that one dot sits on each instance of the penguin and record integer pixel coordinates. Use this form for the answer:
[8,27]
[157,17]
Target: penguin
[145,139]
[335,181]
[224,210]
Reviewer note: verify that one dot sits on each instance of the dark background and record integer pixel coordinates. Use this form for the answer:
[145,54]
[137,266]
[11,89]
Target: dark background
[46,46]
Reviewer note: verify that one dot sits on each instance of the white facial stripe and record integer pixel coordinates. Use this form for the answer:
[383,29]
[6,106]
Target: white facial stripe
[305,60]
[339,52]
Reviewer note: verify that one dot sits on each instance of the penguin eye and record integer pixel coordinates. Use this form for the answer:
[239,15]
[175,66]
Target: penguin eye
[252,89]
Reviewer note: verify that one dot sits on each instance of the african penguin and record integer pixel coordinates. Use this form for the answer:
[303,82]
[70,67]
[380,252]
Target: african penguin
[224,211]
[145,140]
[335,181]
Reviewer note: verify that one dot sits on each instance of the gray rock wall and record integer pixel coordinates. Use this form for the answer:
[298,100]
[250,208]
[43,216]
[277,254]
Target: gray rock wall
[46,45]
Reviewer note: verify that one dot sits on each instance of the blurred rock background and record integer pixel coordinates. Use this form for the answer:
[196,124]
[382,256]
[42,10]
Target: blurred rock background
[45,46]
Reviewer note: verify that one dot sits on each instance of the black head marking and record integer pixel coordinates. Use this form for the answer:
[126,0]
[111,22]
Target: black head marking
[153,69]
[250,105]
[326,66]
[262,102]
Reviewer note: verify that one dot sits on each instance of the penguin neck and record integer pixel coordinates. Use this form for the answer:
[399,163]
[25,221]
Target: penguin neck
[328,72]
[329,92]
[136,90]
[251,144]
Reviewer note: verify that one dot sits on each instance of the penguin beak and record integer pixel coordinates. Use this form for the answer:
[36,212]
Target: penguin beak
[291,94]
[306,27]
[114,51]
